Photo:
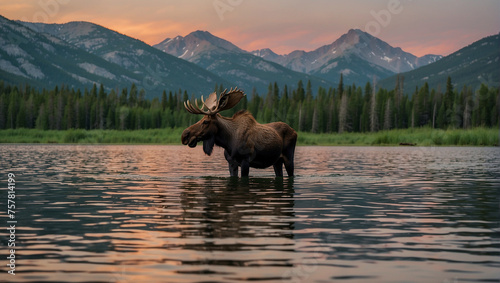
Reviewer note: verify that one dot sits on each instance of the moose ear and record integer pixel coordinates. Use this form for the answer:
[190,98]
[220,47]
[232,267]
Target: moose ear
[230,99]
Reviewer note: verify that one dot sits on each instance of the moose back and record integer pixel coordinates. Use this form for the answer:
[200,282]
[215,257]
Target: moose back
[246,142]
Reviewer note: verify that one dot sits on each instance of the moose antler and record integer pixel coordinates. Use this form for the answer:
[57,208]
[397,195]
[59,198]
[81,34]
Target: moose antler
[228,100]
[212,105]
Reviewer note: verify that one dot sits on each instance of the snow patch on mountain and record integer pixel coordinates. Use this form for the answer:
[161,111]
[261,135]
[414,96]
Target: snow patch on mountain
[48,47]
[265,66]
[14,50]
[184,54]
[329,67]
[346,71]
[30,69]
[8,67]
[82,79]
[96,70]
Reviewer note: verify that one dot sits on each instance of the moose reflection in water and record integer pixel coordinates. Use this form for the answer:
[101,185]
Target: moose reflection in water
[246,143]
[220,208]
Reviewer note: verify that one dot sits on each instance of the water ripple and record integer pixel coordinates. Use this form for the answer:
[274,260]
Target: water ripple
[171,214]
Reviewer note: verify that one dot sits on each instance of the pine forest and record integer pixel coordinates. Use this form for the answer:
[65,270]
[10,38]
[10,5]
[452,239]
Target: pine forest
[347,108]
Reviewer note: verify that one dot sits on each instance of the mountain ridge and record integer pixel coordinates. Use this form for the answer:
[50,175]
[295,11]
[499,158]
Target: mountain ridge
[157,70]
[353,43]
[41,59]
[233,63]
[356,54]
[472,65]
[179,46]
[79,54]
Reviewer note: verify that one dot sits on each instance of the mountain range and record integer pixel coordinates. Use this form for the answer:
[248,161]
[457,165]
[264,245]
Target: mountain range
[232,63]
[150,68]
[79,54]
[43,60]
[473,65]
[356,54]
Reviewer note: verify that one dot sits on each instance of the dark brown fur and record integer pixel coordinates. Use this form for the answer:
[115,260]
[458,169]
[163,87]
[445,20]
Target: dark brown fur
[246,143]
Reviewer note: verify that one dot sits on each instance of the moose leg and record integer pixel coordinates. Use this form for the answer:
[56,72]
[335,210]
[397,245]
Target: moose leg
[289,154]
[233,166]
[288,160]
[289,168]
[233,169]
[278,167]
[245,168]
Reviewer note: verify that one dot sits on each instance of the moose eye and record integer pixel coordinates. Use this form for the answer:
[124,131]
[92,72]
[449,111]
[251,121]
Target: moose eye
[205,122]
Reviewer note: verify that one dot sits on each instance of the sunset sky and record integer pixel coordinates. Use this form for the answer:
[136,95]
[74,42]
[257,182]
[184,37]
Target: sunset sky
[419,27]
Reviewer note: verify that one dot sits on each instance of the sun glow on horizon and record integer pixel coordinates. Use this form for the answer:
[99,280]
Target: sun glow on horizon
[417,28]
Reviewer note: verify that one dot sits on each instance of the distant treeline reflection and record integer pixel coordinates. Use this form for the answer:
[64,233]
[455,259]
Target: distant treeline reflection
[348,108]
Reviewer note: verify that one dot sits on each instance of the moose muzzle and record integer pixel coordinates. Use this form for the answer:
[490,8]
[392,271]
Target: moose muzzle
[188,139]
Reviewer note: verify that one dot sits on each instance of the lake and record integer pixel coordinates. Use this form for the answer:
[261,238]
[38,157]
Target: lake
[109,213]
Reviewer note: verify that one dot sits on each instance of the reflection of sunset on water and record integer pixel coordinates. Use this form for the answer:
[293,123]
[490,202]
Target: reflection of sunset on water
[171,214]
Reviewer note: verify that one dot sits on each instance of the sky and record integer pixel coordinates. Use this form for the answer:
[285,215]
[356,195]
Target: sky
[417,26]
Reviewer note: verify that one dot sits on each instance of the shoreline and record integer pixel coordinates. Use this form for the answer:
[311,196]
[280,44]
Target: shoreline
[397,137]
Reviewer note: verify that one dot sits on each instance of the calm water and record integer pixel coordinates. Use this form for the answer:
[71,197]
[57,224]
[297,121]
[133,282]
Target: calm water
[171,214]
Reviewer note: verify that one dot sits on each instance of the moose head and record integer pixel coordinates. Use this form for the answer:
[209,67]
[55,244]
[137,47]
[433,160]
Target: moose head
[206,129]
[246,143]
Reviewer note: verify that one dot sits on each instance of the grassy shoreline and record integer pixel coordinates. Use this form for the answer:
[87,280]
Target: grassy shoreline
[418,136]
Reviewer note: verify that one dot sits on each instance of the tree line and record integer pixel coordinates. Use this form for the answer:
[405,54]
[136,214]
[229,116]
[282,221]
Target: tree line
[346,108]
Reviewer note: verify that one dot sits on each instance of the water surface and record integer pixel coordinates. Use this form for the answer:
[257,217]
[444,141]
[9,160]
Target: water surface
[171,214]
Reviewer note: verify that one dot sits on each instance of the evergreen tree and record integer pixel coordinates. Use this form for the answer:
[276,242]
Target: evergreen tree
[276,94]
[340,88]
[124,113]
[398,104]
[301,117]
[42,121]
[132,99]
[449,98]
[141,100]
[315,122]
[373,111]
[495,115]
[435,107]
[124,97]
[68,114]
[421,105]
[59,111]
[102,93]
[30,111]
[467,108]
[13,109]
[441,116]
[343,114]
[3,108]
[364,119]
[21,115]
[355,109]
[300,92]
[388,115]
[309,94]
[164,100]
[483,107]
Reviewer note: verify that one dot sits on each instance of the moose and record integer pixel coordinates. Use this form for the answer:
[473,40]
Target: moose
[246,142]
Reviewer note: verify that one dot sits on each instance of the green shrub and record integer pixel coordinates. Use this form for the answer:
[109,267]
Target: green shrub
[74,136]
[419,136]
